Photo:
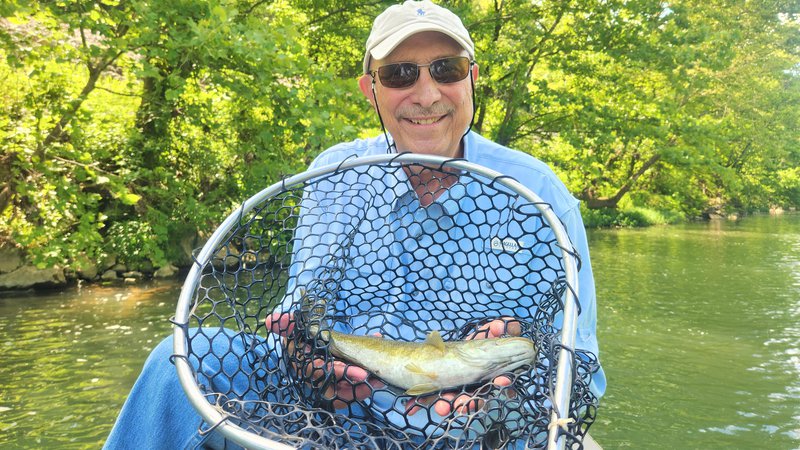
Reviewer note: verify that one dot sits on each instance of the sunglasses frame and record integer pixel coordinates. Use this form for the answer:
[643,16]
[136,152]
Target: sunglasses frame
[376,73]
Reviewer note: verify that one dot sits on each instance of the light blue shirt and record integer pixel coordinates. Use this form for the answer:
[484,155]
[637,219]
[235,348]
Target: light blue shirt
[399,269]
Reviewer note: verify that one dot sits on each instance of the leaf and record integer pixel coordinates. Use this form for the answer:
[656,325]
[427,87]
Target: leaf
[130,198]
[220,12]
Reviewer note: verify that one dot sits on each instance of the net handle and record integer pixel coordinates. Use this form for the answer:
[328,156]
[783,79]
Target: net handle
[186,376]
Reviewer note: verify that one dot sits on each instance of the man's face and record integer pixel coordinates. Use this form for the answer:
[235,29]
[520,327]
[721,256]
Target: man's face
[427,117]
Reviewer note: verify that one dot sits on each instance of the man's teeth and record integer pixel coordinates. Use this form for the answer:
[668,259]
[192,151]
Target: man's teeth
[425,121]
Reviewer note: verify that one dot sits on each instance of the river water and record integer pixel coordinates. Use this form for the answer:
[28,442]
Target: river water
[699,329]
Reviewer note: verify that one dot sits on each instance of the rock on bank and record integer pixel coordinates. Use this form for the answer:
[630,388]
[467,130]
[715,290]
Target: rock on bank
[17,275]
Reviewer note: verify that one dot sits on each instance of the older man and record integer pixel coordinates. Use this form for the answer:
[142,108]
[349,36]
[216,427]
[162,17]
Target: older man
[419,75]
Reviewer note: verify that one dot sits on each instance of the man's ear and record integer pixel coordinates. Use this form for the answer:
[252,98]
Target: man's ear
[475,72]
[365,84]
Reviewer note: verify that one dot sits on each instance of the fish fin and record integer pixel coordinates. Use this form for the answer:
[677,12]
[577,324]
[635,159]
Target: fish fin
[414,368]
[422,389]
[435,339]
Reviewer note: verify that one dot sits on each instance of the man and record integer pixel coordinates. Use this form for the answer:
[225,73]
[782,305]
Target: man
[419,75]
[410,46]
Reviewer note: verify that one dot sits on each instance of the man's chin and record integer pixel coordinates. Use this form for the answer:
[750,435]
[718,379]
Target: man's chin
[431,149]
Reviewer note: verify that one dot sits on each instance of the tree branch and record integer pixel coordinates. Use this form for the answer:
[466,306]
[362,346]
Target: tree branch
[612,202]
[125,94]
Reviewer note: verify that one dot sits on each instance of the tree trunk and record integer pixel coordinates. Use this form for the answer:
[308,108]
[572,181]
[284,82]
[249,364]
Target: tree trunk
[593,202]
[58,130]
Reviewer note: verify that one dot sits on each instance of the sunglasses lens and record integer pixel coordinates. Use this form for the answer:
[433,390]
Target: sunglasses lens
[450,70]
[398,75]
[445,70]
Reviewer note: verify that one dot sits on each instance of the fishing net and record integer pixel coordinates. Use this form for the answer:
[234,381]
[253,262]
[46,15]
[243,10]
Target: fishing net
[354,249]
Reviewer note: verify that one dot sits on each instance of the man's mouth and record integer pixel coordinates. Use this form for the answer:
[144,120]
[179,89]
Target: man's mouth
[425,121]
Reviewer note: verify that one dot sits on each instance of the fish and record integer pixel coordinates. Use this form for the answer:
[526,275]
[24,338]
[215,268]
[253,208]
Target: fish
[421,368]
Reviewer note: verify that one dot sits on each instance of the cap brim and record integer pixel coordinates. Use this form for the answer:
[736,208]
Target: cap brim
[383,49]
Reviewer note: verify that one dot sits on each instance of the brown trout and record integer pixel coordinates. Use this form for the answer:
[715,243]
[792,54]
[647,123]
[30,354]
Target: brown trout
[424,367]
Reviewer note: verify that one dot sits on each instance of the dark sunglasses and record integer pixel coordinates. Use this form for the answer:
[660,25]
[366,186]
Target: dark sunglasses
[405,74]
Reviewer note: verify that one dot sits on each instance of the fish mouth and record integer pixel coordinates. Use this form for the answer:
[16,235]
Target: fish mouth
[513,366]
[516,361]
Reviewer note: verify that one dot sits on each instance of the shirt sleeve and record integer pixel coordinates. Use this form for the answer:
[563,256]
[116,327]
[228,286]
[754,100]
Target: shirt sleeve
[586,336]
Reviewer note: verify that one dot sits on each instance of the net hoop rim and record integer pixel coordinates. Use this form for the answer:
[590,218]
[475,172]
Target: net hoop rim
[247,439]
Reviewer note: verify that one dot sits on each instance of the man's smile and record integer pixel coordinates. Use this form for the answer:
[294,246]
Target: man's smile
[425,120]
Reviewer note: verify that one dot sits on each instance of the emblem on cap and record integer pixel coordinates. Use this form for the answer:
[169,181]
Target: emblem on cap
[420,12]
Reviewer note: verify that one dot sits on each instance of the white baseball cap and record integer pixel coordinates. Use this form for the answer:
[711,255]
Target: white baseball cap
[398,22]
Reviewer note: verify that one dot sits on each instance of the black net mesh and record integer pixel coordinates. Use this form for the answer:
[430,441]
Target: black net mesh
[358,251]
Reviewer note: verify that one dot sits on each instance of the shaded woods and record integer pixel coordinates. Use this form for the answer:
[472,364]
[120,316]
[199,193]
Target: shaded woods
[130,128]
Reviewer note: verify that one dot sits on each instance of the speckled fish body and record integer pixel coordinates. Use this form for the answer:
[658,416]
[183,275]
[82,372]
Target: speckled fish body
[425,367]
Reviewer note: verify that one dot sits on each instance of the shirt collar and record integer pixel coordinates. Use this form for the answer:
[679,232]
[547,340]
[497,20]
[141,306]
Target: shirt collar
[405,196]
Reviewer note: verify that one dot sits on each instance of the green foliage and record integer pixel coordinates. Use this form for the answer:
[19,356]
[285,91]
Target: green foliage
[788,182]
[129,128]
[635,99]
[632,216]
[136,244]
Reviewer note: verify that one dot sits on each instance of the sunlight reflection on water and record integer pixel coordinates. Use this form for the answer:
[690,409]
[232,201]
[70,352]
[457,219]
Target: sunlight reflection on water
[699,334]
[70,358]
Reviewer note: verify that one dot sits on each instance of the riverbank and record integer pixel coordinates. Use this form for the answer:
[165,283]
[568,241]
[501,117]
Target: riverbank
[18,276]
[636,217]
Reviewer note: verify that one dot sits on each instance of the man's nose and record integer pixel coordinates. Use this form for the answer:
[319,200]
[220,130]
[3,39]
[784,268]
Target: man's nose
[426,89]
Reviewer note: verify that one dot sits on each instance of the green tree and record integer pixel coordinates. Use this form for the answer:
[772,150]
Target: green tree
[130,128]
[57,180]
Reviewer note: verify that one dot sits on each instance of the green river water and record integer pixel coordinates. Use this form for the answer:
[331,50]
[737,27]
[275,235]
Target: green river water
[699,331]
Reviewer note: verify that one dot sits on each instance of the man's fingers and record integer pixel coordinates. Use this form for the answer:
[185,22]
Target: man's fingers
[502,381]
[444,405]
[505,326]
[465,404]
[415,404]
[462,404]
[354,374]
[280,323]
[316,368]
[351,382]
[412,407]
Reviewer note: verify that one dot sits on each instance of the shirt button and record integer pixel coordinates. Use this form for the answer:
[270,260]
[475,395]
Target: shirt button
[417,295]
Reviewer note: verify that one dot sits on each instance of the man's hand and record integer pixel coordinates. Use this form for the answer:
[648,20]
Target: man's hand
[467,403]
[352,382]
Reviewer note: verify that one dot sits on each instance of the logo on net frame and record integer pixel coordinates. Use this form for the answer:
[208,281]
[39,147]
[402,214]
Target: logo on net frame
[507,245]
